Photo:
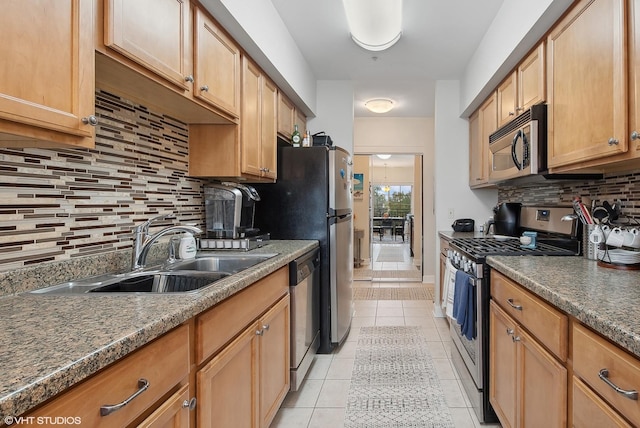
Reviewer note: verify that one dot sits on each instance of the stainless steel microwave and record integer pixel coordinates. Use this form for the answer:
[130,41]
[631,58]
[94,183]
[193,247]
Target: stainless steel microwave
[519,148]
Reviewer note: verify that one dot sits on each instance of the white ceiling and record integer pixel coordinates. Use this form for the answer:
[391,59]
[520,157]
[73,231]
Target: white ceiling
[439,37]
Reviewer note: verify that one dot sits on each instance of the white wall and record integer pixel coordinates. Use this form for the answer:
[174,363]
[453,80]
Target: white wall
[334,108]
[397,135]
[451,160]
[515,30]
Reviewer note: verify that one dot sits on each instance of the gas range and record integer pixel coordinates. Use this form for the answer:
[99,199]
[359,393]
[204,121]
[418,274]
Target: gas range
[478,248]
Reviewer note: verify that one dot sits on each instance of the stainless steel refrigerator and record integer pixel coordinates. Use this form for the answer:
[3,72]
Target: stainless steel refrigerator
[312,199]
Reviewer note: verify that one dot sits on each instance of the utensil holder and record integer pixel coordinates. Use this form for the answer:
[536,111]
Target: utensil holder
[589,249]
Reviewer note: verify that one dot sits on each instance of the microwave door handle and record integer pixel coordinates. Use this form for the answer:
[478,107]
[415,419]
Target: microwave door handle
[519,134]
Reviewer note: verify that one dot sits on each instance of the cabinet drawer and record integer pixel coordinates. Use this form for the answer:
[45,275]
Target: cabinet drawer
[164,363]
[590,410]
[223,322]
[547,324]
[592,354]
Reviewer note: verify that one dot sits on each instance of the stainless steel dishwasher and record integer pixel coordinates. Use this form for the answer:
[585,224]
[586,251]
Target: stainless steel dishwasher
[304,283]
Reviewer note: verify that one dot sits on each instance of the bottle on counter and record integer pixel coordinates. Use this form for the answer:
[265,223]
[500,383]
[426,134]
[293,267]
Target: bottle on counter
[295,137]
[306,141]
[187,248]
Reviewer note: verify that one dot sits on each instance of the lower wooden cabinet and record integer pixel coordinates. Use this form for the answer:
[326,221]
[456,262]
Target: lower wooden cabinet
[589,410]
[244,384]
[528,386]
[173,413]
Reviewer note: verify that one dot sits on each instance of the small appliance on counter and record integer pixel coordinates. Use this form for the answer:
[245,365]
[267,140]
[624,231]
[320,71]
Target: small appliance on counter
[463,225]
[229,213]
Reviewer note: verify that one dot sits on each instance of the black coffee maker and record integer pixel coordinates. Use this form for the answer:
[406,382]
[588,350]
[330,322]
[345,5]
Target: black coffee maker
[230,210]
[506,219]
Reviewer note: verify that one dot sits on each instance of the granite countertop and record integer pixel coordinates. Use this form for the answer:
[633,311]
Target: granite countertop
[607,300]
[52,342]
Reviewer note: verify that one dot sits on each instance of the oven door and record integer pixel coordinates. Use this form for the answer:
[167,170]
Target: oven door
[470,351]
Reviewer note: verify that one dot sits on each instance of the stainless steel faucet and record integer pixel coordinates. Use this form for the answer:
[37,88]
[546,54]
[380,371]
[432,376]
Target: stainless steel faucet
[142,240]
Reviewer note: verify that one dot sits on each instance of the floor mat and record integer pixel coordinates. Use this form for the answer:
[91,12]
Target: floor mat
[391,253]
[392,293]
[394,383]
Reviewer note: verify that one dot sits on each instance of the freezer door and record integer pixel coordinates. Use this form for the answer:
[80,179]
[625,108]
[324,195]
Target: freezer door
[341,254]
[340,178]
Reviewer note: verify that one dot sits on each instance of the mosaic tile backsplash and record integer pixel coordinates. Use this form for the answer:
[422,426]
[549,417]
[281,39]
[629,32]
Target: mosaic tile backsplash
[57,204]
[623,189]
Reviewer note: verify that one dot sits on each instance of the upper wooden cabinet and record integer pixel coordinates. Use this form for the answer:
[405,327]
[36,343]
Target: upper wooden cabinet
[217,66]
[522,88]
[481,125]
[286,116]
[587,84]
[47,80]
[154,33]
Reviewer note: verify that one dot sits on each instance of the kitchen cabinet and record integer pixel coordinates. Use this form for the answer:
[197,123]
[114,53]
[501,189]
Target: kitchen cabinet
[587,84]
[528,349]
[174,412]
[162,365]
[248,336]
[216,66]
[301,120]
[286,116]
[170,55]
[481,125]
[155,34]
[524,377]
[590,410]
[47,94]
[258,132]
[524,87]
[596,361]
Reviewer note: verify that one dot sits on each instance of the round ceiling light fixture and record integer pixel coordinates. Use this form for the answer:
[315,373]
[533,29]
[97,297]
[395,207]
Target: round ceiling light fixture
[379,105]
[384,157]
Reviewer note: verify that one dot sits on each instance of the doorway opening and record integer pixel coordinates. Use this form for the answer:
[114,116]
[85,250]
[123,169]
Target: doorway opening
[388,212]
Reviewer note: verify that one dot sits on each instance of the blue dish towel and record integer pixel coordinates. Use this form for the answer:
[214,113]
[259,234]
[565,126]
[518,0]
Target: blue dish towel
[464,304]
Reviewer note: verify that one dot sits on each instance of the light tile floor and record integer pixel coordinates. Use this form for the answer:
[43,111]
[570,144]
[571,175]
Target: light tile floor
[321,400]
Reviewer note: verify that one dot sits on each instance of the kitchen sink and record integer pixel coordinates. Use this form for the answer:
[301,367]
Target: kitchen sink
[181,276]
[230,263]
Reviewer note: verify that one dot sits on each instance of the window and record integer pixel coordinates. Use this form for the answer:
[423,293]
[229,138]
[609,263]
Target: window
[395,200]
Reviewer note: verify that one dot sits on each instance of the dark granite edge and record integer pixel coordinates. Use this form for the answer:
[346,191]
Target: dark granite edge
[593,319]
[60,379]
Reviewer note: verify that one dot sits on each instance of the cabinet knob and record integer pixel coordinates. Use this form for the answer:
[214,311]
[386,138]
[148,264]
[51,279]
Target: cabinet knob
[613,142]
[510,331]
[511,113]
[90,120]
[204,88]
[259,332]
[635,136]
[266,327]
[189,404]
[515,338]
[519,108]
[189,78]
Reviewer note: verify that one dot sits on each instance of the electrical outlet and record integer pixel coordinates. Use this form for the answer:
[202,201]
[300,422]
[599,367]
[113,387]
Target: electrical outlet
[451,213]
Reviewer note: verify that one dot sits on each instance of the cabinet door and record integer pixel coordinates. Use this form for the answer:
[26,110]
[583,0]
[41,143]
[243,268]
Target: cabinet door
[268,119]
[173,413]
[634,77]
[251,105]
[543,385]
[477,168]
[48,73]
[479,151]
[274,360]
[286,118]
[227,387]
[154,33]
[503,373]
[531,80]
[216,65]
[589,410]
[586,77]
[507,100]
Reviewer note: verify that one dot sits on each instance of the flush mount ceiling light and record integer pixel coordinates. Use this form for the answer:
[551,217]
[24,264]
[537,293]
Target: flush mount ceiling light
[375,25]
[384,157]
[379,105]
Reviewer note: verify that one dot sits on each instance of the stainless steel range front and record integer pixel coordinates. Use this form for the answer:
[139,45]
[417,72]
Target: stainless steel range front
[470,353]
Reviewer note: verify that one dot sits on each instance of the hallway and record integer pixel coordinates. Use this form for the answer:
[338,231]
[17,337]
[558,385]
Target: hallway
[391,261]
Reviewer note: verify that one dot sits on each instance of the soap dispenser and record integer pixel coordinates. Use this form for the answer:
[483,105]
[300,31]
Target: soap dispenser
[187,248]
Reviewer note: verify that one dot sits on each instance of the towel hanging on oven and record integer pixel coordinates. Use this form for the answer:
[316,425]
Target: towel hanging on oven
[464,304]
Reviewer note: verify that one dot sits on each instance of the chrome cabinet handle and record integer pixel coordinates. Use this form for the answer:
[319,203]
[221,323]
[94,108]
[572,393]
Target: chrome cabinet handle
[90,120]
[513,305]
[515,338]
[604,375]
[511,113]
[204,88]
[189,404]
[189,78]
[107,409]
[266,327]
[510,331]
[259,332]
[635,136]
[613,142]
